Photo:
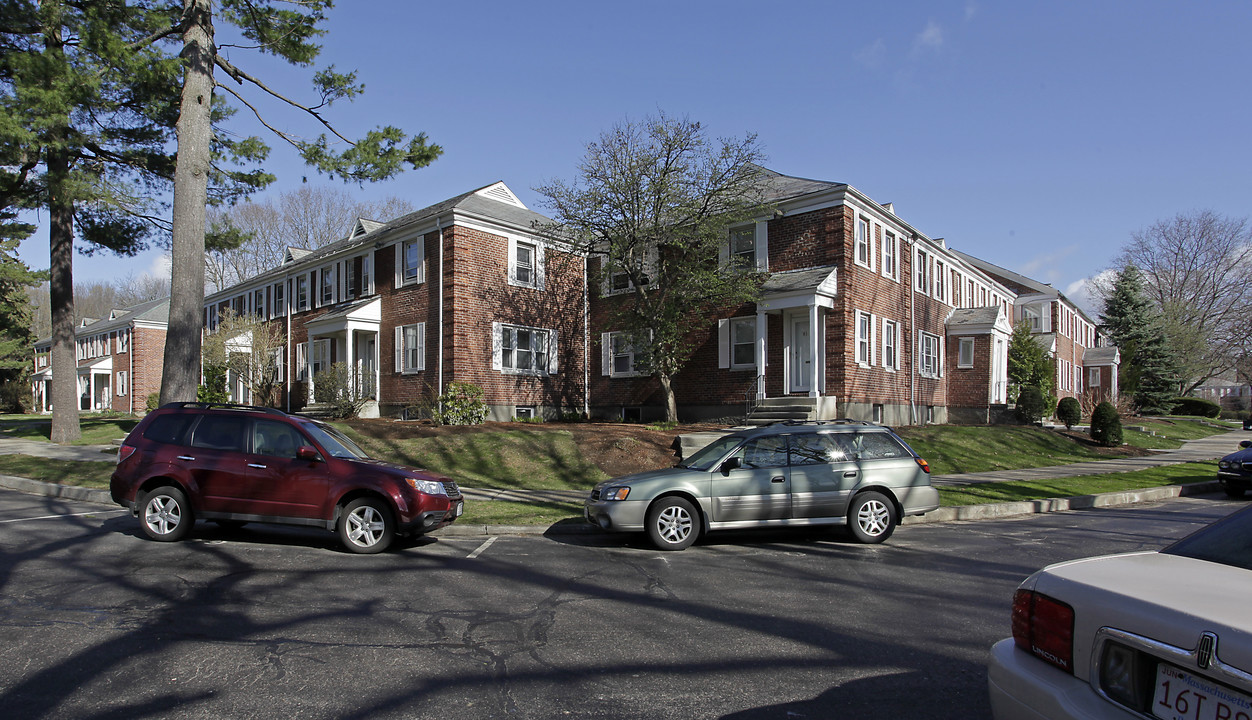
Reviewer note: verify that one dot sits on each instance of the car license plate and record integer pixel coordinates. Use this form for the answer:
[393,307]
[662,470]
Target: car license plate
[1181,695]
[460,508]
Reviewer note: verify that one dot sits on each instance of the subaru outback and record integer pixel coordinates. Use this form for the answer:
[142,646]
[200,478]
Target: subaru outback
[838,473]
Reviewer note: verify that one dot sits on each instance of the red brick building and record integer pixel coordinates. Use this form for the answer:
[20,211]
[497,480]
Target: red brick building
[462,291]
[119,360]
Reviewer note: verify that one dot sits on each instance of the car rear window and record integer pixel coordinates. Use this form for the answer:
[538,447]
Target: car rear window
[1227,541]
[169,429]
[880,446]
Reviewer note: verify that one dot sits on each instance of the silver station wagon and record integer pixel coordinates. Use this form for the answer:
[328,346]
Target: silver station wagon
[785,475]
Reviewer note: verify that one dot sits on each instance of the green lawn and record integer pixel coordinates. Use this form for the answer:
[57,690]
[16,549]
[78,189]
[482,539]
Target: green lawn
[1181,474]
[96,430]
[63,472]
[954,449]
[525,458]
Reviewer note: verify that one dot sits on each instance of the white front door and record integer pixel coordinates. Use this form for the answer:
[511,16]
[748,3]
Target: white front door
[801,355]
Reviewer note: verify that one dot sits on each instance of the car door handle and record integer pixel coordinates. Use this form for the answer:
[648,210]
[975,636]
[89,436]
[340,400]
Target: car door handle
[849,473]
[254,465]
[185,457]
[778,479]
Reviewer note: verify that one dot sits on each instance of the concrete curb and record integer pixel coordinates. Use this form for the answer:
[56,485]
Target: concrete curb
[70,492]
[943,514]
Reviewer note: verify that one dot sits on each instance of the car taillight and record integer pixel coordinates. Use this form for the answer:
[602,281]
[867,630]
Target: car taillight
[124,452]
[1044,628]
[923,464]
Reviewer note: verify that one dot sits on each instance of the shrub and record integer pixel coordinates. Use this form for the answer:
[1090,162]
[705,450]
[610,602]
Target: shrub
[461,404]
[1198,407]
[333,388]
[15,397]
[1030,404]
[214,387]
[1069,412]
[1106,425]
[154,401]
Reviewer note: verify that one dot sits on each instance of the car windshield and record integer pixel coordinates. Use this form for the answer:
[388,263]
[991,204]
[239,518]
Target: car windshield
[335,442]
[705,458]
[1227,541]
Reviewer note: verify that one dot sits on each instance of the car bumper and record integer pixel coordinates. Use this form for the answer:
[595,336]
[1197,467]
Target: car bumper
[1234,480]
[428,518]
[918,500]
[616,515]
[1023,687]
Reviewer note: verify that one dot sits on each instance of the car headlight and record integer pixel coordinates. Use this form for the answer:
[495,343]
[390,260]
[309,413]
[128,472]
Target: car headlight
[615,493]
[1223,465]
[430,487]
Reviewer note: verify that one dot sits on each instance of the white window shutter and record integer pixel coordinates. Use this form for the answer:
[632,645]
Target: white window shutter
[496,343]
[552,364]
[421,259]
[539,269]
[723,252]
[762,246]
[723,343]
[511,262]
[399,267]
[421,346]
[606,353]
[399,348]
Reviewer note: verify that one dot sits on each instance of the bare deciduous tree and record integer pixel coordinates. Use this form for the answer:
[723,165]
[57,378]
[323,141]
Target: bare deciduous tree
[308,217]
[251,349]
[1198,270]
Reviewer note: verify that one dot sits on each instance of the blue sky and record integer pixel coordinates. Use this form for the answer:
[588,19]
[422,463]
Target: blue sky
[1035,135]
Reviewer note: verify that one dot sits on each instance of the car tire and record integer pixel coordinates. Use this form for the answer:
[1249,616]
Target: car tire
[871,517]
[673,523]
[165,514]
[1233,492]
[365,526]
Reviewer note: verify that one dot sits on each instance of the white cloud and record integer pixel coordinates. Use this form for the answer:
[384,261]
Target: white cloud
[930,38]
[971,9]
[1088,293]
[872,57]
[1046,264]
[160,267]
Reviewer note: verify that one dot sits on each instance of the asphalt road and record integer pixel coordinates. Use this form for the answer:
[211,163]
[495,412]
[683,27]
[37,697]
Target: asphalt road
[98,622]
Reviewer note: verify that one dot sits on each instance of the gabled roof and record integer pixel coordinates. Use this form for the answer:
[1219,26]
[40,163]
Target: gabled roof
[981,320]
[1029,284]
[779,187]
[155,312]
[1108,355]
[494,203]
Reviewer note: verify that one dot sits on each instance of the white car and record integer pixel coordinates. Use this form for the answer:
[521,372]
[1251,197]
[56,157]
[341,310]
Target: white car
[1144,635]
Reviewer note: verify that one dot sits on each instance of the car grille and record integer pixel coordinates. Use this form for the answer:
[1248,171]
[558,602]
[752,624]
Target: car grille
[451,488]
[595,494]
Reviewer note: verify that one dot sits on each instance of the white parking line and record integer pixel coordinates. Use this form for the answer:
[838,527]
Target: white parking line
[482,547]
[49,517]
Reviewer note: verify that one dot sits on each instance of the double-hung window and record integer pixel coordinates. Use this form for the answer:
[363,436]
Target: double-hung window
[921,271]
[523,350]
[737,343]
[1093,377]
[890,354]
[929,360]
[863,256]
[302,292]
[889,254]
[618,355]
[278,307]
[410,261]
[940,269]
[743,248]
[525,264]
[411,348]
[326,296]
[965,353]
[864,338]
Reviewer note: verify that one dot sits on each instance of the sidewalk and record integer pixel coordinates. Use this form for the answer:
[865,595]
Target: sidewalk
[1209,448]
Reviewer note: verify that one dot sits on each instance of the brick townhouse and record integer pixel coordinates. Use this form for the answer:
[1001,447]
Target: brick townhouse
[1083,369]
[861,316]
[461,291]
[119,360]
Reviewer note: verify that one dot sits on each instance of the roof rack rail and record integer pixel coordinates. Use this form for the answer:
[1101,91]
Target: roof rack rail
[222,406]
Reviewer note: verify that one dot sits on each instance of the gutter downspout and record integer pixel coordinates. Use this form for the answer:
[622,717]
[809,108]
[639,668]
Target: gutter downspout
[130,345]
[586,345]
[287,350]
[913,332]
[439,364]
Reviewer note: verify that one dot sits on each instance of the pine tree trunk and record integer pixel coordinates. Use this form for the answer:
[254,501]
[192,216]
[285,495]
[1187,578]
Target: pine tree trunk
[181,371]
[65,427]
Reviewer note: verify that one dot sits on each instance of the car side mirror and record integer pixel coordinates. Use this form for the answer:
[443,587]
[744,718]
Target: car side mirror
[307,452]
[1245,443]
[731,464]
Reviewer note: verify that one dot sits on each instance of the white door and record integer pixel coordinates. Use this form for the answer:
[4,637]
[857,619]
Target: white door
[801,355]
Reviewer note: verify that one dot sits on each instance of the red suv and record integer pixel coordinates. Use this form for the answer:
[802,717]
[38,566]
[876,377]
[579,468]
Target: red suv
[235,464]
